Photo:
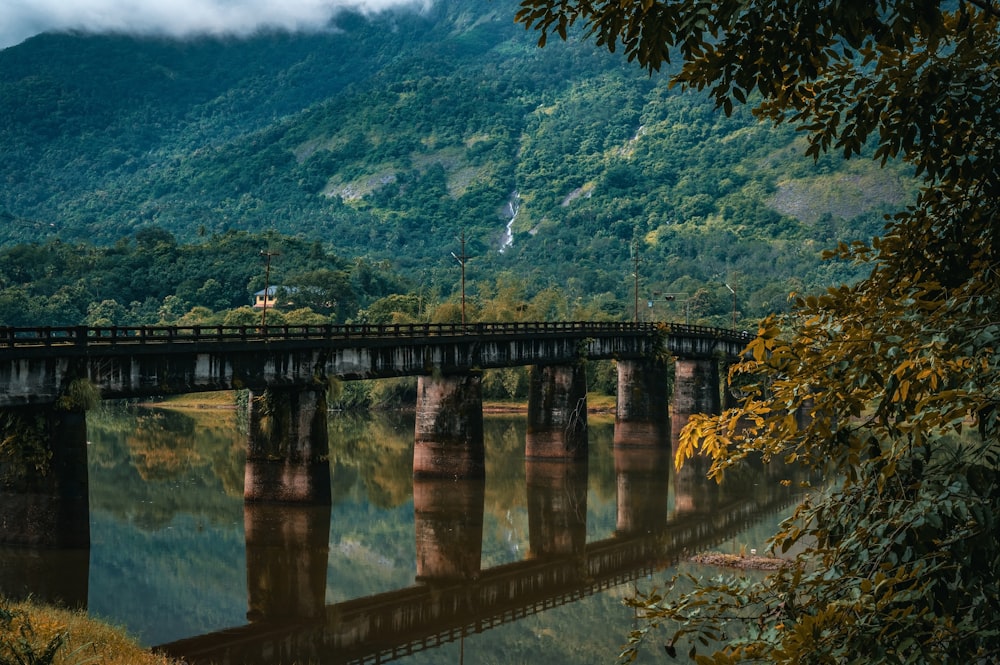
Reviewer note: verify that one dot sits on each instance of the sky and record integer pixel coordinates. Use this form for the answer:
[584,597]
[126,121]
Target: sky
[21,19]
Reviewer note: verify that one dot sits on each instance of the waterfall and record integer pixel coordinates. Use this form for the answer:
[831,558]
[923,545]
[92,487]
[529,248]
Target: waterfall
[513,207]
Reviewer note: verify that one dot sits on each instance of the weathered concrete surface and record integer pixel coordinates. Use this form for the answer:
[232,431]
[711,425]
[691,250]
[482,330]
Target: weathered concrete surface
[696,386]
[448,437]
[642,414]
[557,412]
[288,447]
[29,377]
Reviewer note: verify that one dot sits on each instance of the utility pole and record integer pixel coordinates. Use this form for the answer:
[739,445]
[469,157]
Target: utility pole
[734,303]
[267,284]
[635,274]
[461,260]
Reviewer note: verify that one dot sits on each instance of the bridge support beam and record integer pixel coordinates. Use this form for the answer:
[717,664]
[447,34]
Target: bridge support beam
[696,390]
[557,507]
[448,519]
[288,447]
[44,498]
[641,416]
[448,441]
[557,412]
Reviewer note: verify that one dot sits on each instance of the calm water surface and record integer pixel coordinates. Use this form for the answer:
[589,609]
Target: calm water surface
[175,554]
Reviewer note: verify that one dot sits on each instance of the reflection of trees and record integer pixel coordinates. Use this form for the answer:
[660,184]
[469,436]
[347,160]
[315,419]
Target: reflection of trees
[601,459]
[189,462]
[380,451]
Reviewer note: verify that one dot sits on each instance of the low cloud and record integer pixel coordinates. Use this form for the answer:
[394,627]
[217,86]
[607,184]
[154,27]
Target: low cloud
[21,19]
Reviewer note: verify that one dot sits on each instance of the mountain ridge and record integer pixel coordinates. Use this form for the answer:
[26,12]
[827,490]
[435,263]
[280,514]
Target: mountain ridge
[399,132]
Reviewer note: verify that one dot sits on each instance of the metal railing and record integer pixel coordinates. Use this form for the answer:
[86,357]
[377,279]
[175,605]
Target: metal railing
[12,338]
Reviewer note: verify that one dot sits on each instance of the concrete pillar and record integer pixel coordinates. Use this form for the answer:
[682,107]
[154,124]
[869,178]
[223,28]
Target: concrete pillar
[287,550]
[44,491]
[642,416]
[557,412]
[643,477]
[288,447]
[448,519]
[449,427]
[804,414]
[730,395]
[696,390]
[557,507]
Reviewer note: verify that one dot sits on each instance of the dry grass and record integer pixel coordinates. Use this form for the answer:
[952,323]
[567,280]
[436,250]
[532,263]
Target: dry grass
[222,399]
[33,630]
[741,561]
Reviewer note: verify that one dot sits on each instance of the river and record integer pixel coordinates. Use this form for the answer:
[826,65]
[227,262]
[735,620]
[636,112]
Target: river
[175,554]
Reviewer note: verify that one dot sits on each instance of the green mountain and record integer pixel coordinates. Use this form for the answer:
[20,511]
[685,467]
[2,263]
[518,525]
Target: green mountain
[395,135]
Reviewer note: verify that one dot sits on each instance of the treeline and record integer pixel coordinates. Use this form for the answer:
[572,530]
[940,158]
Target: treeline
[152,279]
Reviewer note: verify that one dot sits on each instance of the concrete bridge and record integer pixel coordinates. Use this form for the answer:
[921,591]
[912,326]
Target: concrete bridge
[46,375]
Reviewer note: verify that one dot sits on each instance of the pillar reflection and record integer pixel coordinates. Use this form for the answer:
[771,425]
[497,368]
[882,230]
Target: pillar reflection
[693,493]
[643,477]
[557,507]
[50,509]
[448,519]
[51,576]
[287,549]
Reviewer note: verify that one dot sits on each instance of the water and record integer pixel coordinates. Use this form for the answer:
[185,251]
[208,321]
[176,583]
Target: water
[175,554]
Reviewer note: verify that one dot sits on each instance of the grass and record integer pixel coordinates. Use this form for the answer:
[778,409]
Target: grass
[36,634]
[221,399]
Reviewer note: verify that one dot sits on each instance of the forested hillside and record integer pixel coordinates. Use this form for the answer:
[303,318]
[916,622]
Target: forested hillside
[387,140]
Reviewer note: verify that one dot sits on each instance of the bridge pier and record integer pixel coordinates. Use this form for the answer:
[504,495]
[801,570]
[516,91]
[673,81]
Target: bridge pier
[448,441]
[696,390]
[448,520]
[557,507]
[641,415]
[557,412]
[44,491]
[287,551]
[288,447]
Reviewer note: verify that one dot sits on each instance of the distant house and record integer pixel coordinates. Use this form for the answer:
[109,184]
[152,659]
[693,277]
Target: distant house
[266,298]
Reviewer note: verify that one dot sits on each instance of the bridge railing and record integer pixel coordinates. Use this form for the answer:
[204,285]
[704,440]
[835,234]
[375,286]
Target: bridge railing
[11,337]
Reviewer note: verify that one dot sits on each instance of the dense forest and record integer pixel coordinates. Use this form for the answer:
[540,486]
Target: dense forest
[143,178]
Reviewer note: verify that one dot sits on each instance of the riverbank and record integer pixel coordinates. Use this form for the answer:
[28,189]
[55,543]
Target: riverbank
[596,403]
[35,633]
[741,561]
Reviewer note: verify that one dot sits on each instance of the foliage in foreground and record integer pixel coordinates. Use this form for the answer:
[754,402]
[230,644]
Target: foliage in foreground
[900,558]
[33,634]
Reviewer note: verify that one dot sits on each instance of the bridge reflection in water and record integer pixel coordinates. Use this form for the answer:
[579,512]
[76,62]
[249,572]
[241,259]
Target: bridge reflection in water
[287,549]
[287,552]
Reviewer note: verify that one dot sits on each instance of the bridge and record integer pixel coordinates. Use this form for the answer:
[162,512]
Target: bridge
[46,374]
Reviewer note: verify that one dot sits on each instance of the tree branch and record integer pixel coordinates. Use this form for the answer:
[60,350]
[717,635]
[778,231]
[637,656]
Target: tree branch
[986,6]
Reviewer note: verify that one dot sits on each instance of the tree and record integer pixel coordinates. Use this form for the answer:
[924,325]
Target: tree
[898,371]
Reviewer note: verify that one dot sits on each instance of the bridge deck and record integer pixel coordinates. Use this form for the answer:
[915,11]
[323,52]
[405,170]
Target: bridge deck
[99,337]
